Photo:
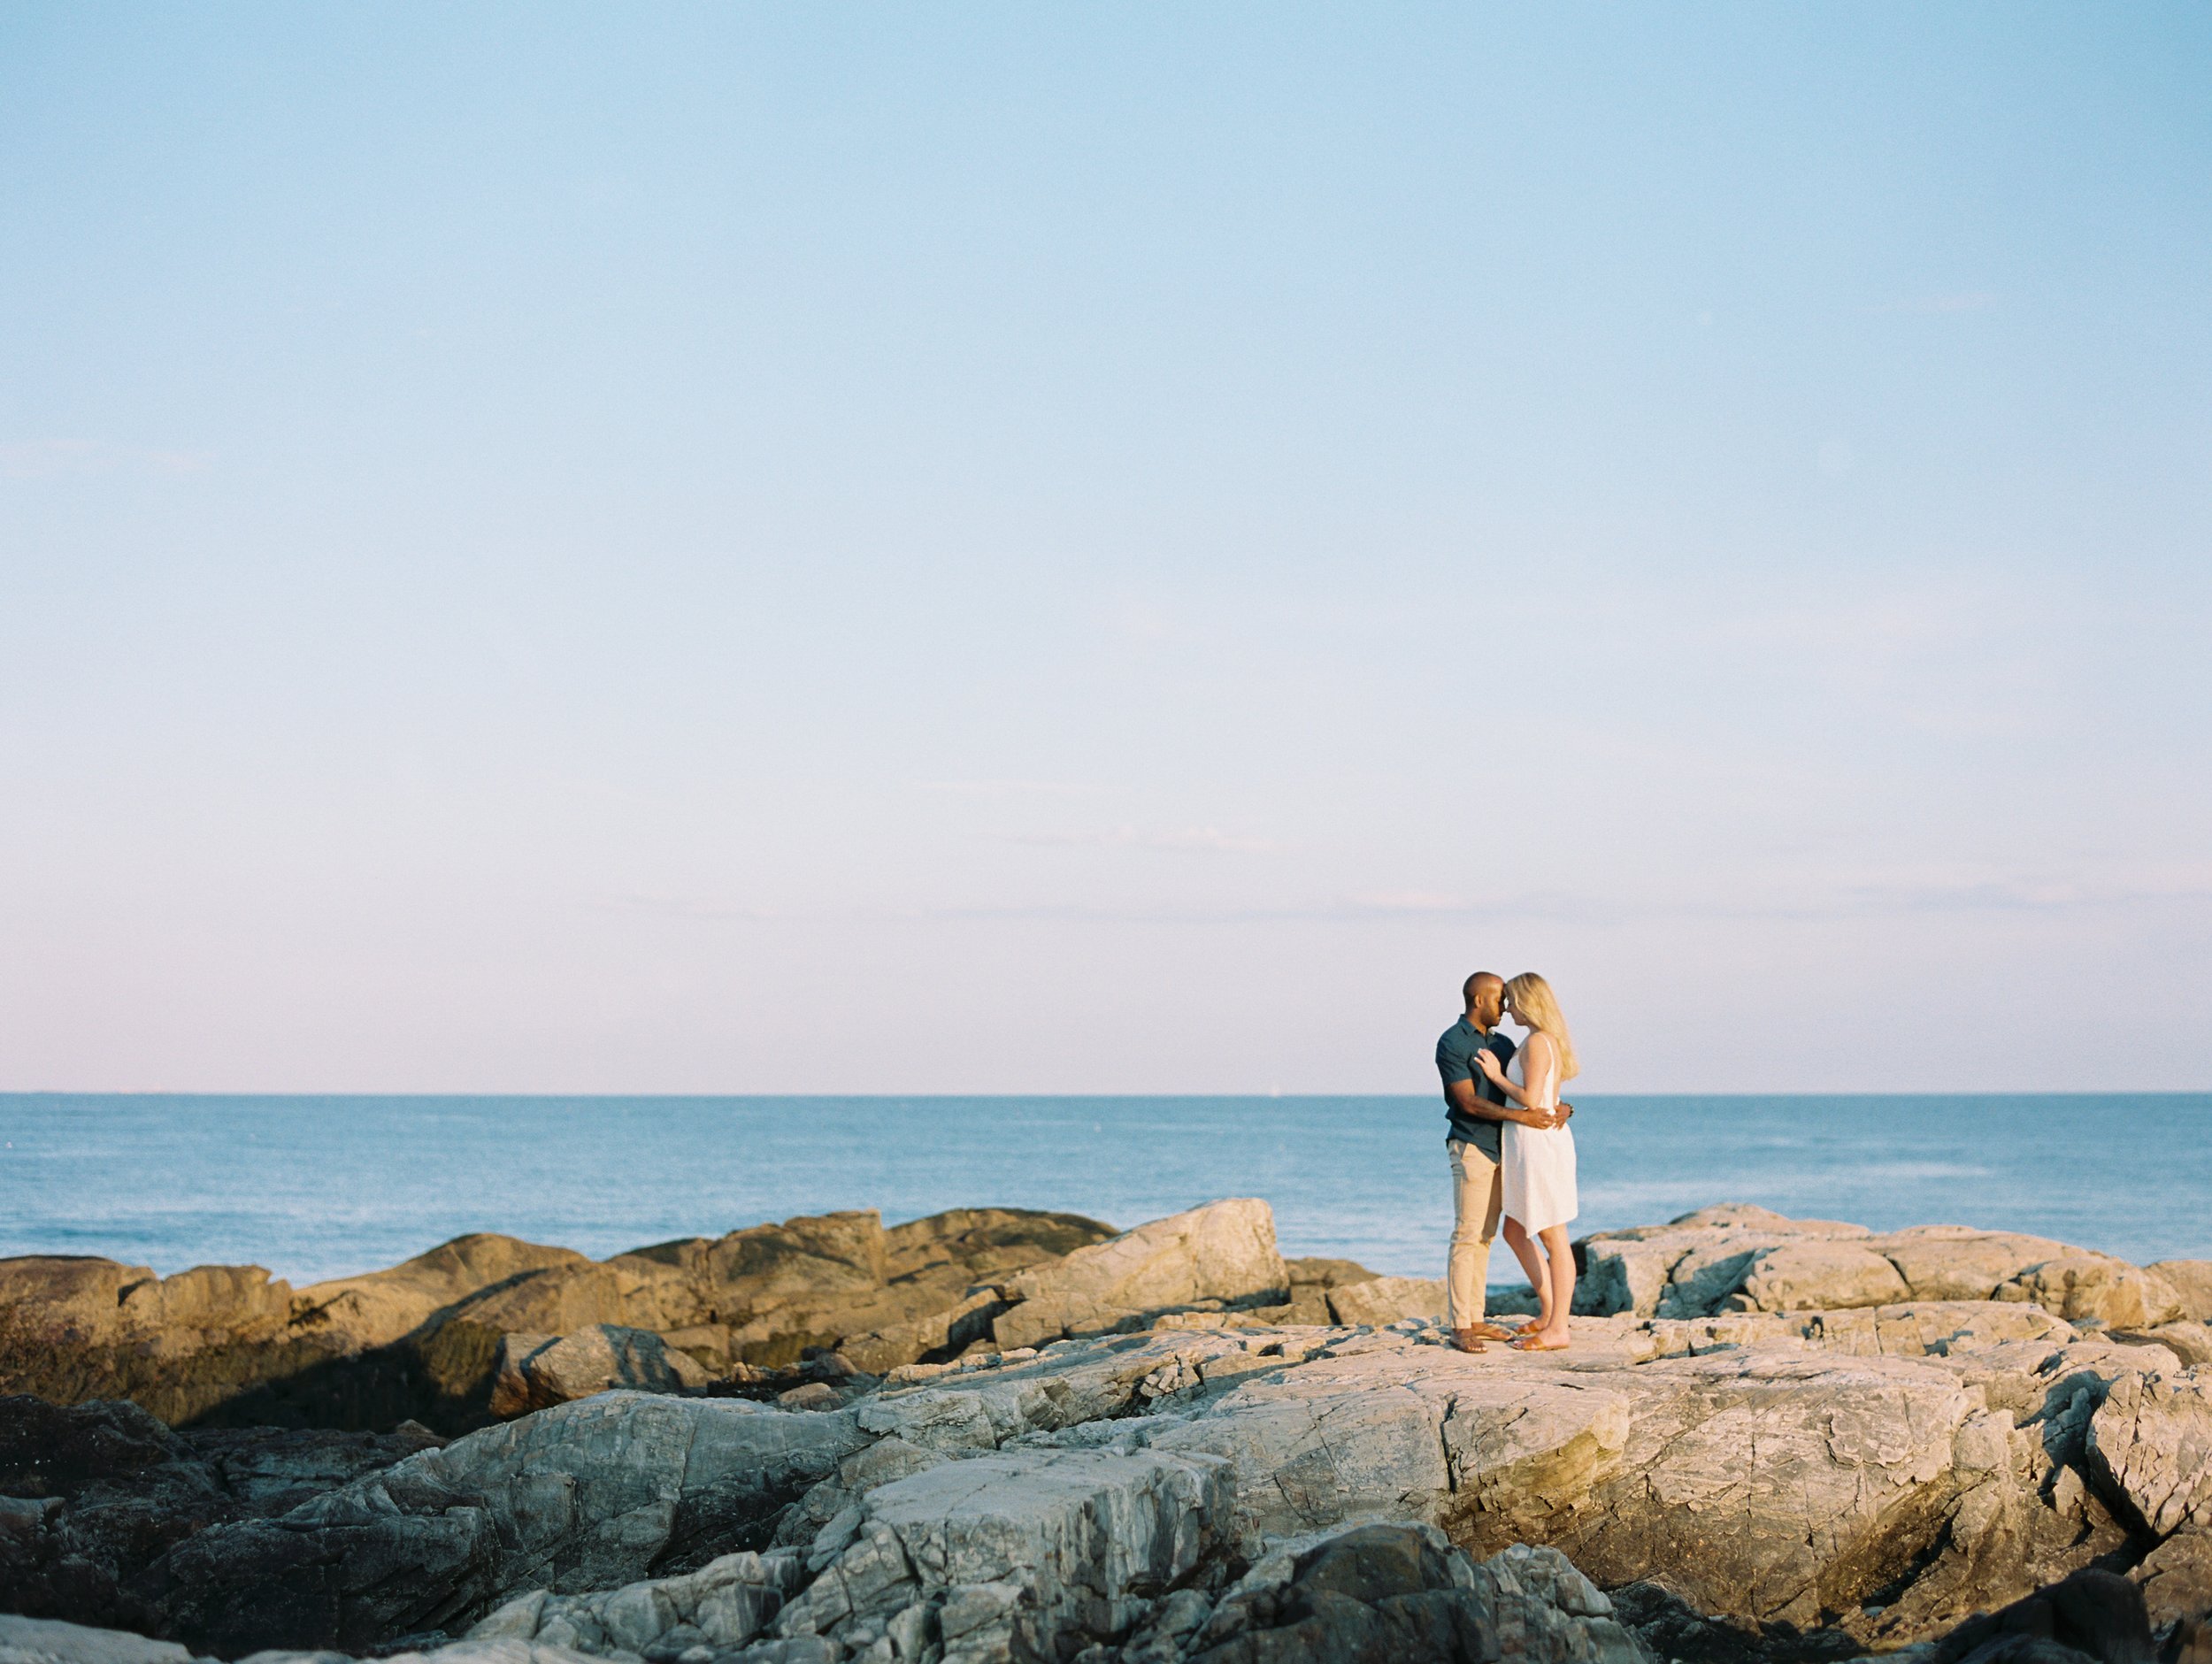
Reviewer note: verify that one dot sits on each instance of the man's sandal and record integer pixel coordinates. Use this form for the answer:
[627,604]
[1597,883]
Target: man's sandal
[1488,1331]
[1468,1340]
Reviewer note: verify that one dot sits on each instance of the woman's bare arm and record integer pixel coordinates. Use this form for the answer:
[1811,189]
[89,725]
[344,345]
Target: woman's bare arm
[1542,1058]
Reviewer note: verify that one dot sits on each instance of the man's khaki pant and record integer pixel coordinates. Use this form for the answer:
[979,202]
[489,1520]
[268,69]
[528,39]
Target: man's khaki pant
[1478,1195]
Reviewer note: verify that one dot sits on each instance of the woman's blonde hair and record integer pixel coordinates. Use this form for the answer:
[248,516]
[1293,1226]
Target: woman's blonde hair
[1535,1004]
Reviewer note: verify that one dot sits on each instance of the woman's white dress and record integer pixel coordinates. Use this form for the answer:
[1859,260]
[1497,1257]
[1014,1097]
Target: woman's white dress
[1539,1167]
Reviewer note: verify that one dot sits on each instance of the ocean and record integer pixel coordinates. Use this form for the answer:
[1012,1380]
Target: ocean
[314,1187]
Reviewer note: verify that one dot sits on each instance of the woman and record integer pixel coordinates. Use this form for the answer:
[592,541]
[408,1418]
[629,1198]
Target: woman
[1540,1162]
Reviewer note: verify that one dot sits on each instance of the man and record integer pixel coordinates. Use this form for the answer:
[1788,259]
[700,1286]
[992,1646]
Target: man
[1473,1110]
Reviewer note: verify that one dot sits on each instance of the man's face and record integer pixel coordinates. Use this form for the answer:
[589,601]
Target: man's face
[1489,1000]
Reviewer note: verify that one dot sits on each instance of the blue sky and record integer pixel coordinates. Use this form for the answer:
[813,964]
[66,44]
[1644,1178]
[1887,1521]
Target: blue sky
[1126,549]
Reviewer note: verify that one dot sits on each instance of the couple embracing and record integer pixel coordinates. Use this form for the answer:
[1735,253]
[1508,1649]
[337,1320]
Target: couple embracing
[1512,1156]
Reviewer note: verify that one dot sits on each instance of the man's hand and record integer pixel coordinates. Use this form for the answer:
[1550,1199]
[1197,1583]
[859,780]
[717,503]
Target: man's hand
[1558,1117]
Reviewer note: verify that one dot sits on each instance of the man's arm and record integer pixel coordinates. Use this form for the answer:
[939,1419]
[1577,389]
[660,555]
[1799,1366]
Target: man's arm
[1461,1095]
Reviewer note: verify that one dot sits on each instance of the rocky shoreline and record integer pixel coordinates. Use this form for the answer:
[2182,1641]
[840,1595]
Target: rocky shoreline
[998,1435]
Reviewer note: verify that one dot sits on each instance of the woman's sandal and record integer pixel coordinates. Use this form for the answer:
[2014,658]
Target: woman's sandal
[1533,1342]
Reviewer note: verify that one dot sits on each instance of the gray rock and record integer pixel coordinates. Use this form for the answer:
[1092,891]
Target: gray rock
[92,1496]
[587,1496]
[2091,1615]
[724,1605]
[1021,1553]
[1759,1485]
[1073,1385]
[52,1641]
[1402,1594]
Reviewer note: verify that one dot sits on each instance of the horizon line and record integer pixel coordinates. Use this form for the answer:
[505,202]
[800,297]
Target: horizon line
[7,1093]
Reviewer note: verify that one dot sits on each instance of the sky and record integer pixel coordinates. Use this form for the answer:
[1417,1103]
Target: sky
[1121,549]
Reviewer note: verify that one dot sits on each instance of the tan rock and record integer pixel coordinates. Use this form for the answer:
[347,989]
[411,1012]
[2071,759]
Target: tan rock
[984,1244]
[2192,1280]
[2192,1343]
[1734,1331]
[1824,1276]
[1624,1274]
[948,1331]
[1225,1251]
[1750,1216]
[537,1371]
[238,1300]
[2176,1577]
[1694,1265]
[843,1280]
[1711,1272]
[2084,1285]
[706,1344]
[554,1301]
[2150,1442]
[1957,1263]
[66,1295]
[742,1276]
[1915,1328]
[1327,1274]
[379,1308]
[1382,1300]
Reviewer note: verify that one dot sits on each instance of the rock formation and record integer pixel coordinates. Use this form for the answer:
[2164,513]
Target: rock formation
[1745,1258]
[430,1339]
[1770,1437]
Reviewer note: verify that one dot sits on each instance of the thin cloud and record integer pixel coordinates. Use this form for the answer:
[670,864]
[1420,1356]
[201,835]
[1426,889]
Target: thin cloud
[1191,839]
[61,458]
[1943,305]
[1010,788]
[2032,891]
[1407,901]
[1806,895]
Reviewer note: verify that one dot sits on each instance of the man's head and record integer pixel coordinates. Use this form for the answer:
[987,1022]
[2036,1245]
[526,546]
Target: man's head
[1485,993]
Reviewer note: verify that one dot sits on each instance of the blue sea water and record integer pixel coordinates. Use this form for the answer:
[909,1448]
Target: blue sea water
[314,1187]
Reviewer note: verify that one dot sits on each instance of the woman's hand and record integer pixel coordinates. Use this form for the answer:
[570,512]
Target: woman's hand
[1487,1060]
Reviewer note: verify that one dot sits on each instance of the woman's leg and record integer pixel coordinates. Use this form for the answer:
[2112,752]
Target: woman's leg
[1524,1247]
[1561,1299]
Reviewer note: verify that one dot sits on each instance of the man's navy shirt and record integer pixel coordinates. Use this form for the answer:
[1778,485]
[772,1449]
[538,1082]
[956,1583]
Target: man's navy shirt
[1455,1060]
